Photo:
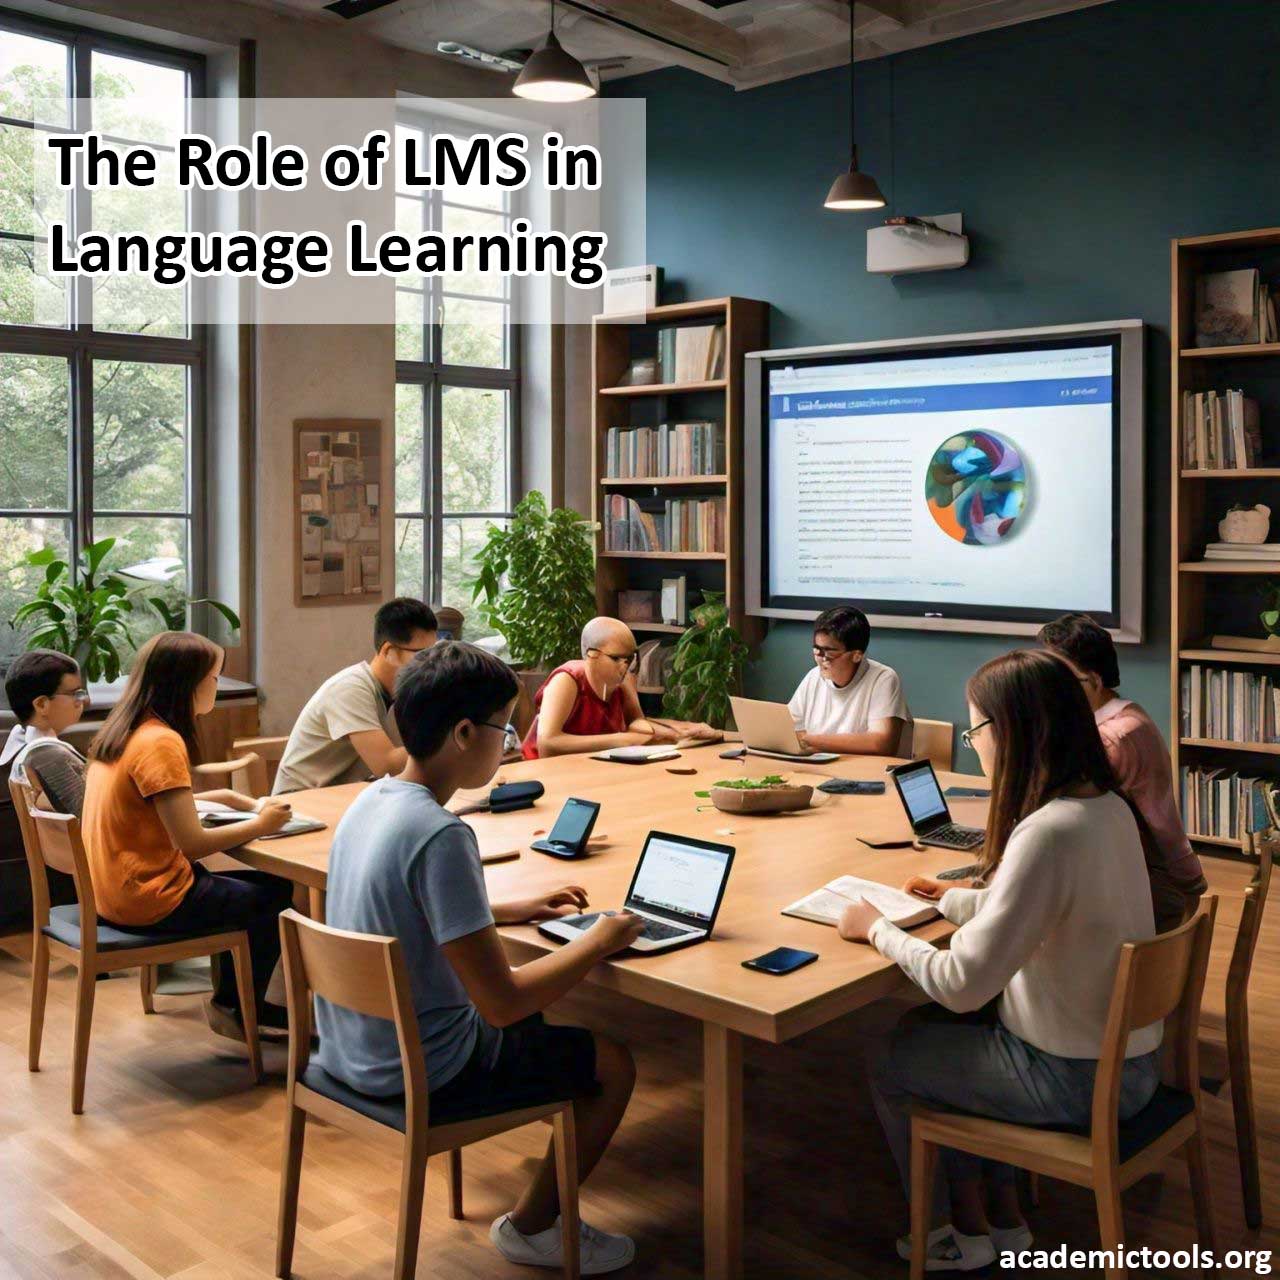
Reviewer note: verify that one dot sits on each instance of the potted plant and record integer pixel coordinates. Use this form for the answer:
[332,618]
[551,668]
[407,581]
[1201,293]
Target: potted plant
[89,616]
[706,666]
[535,583]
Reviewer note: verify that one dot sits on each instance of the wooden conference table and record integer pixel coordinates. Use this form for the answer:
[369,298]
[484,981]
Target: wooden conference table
[779,859]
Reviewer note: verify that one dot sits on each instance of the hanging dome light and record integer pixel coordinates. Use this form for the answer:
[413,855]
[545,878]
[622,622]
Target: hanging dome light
[552,74]
[853,189]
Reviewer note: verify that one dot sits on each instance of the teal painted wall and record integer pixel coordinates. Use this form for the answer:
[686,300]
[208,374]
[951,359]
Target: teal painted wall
[1075,146]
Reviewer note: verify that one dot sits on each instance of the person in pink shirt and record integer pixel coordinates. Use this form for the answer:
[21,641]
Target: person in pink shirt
[1141,762]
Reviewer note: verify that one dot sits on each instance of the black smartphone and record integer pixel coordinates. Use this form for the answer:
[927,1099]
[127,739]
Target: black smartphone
[734,753]
[781,960]
[568,838]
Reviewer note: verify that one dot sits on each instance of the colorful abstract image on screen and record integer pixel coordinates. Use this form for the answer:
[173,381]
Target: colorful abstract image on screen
[977,488]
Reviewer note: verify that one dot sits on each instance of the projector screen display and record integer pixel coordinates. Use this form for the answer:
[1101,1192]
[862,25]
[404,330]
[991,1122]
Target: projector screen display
[979,482]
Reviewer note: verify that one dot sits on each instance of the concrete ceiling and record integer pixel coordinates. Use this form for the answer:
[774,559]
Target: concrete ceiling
[741,42]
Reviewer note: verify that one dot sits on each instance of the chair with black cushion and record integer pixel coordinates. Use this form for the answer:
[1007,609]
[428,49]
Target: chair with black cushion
[1159,979]
[53,840]
[1224,1037]
[367,974]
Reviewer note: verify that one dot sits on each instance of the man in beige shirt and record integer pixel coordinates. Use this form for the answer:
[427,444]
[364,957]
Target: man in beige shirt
[346,732]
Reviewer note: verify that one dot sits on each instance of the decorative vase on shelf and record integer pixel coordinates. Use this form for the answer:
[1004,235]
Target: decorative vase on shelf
[1245,524]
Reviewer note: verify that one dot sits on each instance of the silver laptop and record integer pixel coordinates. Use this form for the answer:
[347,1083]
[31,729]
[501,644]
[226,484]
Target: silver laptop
[768,730]
[677,890]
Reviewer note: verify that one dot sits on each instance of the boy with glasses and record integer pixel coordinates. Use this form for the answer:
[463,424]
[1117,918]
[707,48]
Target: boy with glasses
[46,692]
[346,732]
[849,703]
[591,703]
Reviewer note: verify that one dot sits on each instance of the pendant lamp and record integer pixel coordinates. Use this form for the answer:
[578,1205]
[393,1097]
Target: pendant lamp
[853,189]
[552,74]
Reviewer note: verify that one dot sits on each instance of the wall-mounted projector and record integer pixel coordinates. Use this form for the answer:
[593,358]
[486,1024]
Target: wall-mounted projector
[908,244]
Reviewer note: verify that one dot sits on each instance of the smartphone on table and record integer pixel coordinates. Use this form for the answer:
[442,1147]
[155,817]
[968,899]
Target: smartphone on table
[781,960]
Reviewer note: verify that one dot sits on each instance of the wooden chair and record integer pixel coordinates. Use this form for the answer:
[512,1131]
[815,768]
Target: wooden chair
[53,840]
[1157,979]
[252,771]
[935,741]
[368,975]
[1224,1040]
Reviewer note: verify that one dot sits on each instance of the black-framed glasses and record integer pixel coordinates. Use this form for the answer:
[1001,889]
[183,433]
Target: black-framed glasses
[967,736]
[825,653]
[506,728]
[631,661]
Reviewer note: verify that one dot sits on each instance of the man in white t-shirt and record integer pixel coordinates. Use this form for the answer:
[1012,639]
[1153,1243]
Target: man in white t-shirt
[346,732]
[850,703]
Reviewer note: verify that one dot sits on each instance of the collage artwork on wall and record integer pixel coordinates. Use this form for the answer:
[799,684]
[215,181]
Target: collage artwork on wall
[337,516]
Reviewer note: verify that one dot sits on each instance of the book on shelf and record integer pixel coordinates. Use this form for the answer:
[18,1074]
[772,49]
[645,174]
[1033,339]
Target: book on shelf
[1222,803]
[1230,308]
[657,524]
[1221,431]
[1242,551]
[669,449]
[691,353]
[825,905]
[1228,705]
[638,606]
[675,601]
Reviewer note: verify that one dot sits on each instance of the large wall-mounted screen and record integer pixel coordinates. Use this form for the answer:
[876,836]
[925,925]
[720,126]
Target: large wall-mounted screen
[977,482]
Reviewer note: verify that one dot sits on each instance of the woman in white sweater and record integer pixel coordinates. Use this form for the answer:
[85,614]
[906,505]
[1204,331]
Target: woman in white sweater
[1022,993]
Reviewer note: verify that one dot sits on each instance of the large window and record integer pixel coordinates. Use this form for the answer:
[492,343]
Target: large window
[457,399]
[100,384]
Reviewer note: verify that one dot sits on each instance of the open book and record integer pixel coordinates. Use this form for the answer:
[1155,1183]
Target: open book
[214,814]
[824,905]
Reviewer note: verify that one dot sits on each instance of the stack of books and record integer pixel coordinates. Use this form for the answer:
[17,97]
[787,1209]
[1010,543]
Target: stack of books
[691,353]
[1229,705]
[1235,308]
[1222,803]
[674,524]
[1243,551]
[1220,431]
[671,449]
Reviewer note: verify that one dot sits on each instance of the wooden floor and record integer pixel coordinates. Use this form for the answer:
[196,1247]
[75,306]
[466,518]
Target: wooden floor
[172,1170]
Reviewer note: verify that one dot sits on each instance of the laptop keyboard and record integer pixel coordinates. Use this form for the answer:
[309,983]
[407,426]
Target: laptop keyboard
[654,930]
[959,837]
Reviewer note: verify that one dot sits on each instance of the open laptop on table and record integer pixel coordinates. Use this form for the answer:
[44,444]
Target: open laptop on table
[926,807]
[768,730]
[677,890]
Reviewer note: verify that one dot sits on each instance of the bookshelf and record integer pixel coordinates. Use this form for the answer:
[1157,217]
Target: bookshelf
[615,343]
[1223,597]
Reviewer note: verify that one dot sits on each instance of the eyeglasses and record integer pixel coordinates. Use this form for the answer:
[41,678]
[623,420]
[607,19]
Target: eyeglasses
[824,653]
[80,695]
[404,648]
[506,728]
[630,661]
[967,736]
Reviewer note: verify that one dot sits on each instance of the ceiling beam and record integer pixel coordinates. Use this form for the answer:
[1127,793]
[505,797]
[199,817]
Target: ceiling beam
[894,10]
[666,20]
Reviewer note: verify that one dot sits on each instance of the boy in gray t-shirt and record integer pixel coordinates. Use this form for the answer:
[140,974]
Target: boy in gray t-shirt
[402,866]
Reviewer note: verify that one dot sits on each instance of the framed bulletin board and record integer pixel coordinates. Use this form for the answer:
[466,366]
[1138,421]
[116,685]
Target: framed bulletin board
[337,492]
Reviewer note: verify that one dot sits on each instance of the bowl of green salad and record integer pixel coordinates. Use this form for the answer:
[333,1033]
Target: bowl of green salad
[771,794]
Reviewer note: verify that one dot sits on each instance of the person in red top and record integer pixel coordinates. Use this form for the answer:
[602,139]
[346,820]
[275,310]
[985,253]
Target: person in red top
[1141,762]
[591,703]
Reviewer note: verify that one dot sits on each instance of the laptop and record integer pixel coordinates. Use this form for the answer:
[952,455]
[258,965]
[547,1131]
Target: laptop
[926,807]
[768,730]
[677,890]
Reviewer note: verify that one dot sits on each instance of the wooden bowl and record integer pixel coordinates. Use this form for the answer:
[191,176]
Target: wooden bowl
[781,799]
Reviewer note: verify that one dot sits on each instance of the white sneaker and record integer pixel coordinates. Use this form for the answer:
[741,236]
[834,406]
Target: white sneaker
[598,1251]
[951,1250]
[1011,1239]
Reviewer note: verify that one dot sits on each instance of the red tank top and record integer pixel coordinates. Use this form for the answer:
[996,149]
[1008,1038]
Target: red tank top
[590,714]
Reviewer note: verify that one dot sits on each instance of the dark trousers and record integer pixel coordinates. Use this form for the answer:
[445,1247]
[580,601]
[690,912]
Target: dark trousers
[249,900]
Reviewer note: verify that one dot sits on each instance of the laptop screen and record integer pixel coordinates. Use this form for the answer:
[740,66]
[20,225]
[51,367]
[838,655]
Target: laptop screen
[920,793]
[680,878]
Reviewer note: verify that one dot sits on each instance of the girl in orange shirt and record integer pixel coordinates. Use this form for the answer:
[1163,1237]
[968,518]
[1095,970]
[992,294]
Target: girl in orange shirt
[143,835]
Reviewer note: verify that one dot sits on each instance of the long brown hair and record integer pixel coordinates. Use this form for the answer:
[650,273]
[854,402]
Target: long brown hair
[163,684]
[1046,739]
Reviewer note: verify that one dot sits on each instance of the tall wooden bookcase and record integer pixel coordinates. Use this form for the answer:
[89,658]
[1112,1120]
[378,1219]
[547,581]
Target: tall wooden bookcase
[1216,596]
[615,343]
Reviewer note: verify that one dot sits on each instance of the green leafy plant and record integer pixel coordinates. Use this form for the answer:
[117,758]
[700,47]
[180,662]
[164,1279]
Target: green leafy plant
[707,665]
[88,614]
[1270,615]
[536,582]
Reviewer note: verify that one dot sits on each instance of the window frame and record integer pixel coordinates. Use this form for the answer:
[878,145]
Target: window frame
[434,376]
[81,345]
